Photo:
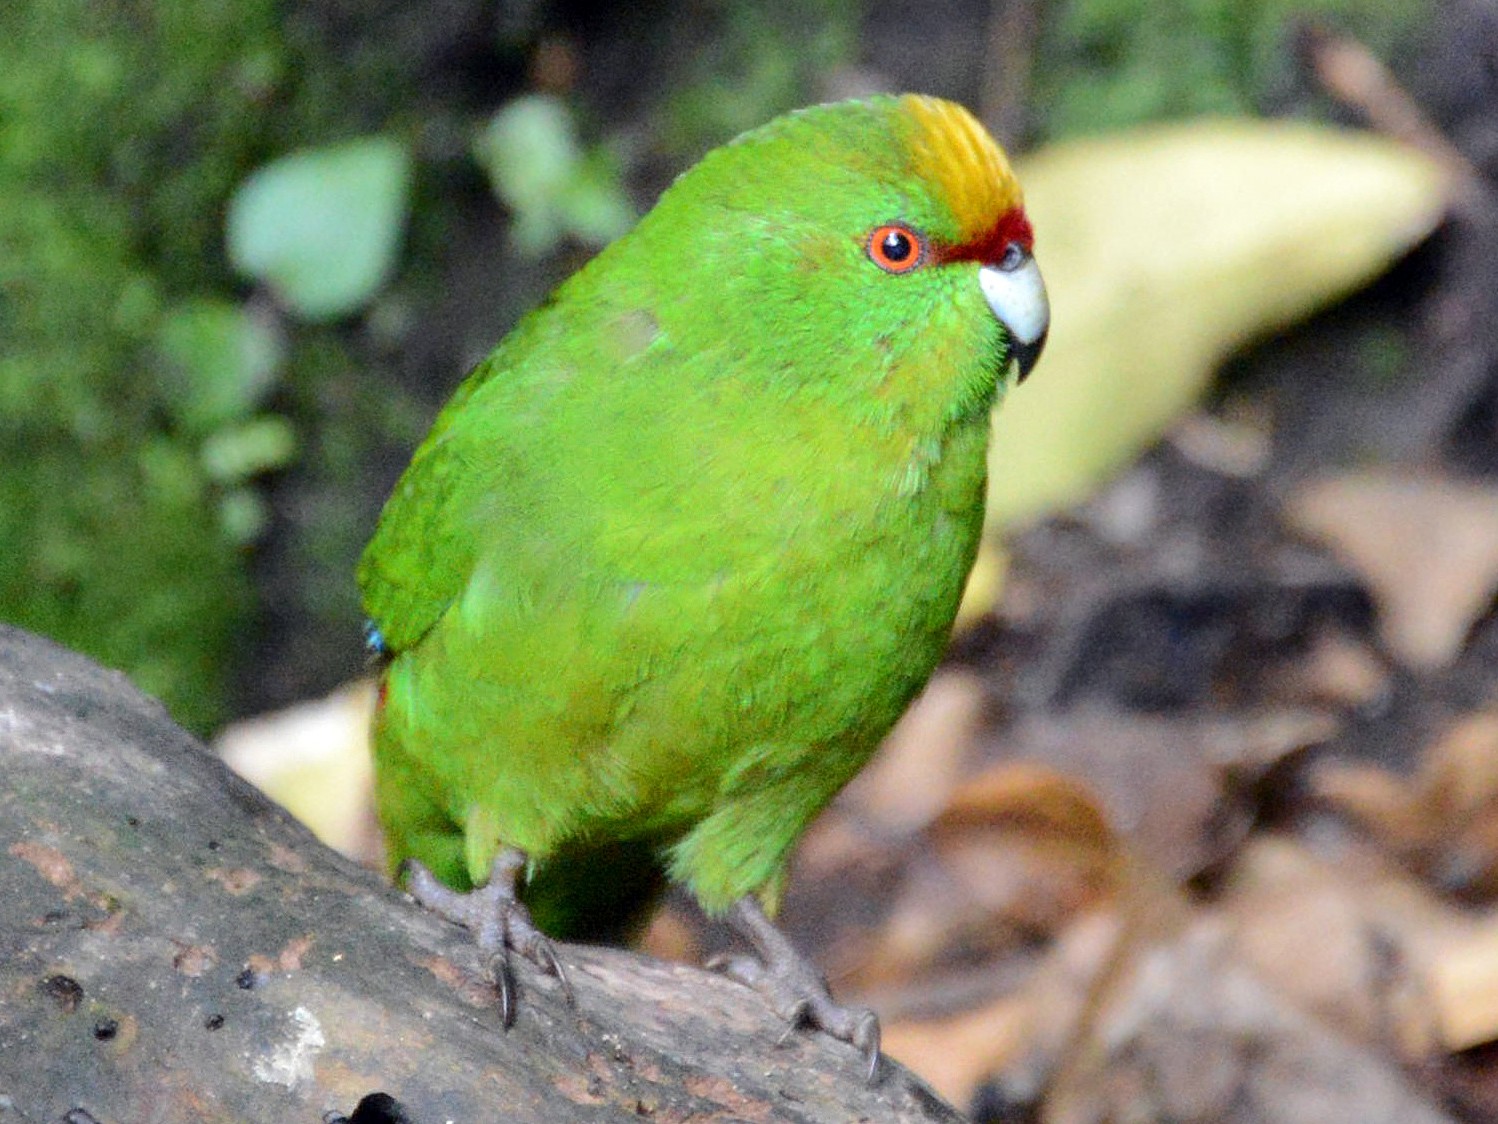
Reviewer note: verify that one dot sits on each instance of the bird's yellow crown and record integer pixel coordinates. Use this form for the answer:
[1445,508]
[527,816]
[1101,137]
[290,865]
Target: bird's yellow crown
[953,150]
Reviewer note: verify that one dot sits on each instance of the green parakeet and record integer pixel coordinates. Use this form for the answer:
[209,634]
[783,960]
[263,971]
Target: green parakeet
[680,551]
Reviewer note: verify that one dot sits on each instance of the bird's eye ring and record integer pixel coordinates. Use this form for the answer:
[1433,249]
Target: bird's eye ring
[896,248]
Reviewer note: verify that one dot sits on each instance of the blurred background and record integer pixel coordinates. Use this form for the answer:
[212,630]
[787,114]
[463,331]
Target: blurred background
[1199,822]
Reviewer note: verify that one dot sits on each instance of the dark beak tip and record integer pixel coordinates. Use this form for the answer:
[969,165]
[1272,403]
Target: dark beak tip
[1026,355]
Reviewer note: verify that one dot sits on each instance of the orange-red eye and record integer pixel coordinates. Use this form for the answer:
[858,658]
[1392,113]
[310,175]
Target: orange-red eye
[896,249]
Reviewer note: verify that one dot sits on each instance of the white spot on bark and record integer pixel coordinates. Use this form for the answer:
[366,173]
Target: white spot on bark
[291,1061]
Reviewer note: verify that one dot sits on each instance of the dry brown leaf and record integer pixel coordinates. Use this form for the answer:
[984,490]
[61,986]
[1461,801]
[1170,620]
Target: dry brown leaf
[1442,822]
[1337,670]
[1380,802]
[1346,938]
[313,759]
[921,760]
[1469,866]
[957,1054]
[672,935]
[1460,771]
[1464,989]
[1027,797]
[926,919]
[985,900]
[1026,844]
[1162,779]
[1427,546]
[1189,1033]
[1025,1030]
[838,842]
[1157,784]
[1019,851]
[1226,447]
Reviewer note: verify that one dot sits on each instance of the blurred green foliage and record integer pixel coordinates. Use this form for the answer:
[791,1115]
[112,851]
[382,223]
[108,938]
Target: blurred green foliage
[121,129]
[553,187]
[1106,64]
[189,461]
[749,62]
[141,397]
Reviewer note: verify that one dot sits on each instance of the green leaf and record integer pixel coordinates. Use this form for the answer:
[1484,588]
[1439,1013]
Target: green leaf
[529,150]
[258,445]
[218,363]
[593,207]
[1164,250]
[322,227]
[243,516]
[553,188]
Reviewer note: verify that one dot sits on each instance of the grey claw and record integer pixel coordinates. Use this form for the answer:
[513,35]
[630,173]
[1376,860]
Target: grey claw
[866,1038]
[498,921]
[499,976]
[794,988]
[554,966]
[797,1017]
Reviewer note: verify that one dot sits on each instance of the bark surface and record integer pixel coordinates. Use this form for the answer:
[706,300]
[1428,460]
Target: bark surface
[175,948]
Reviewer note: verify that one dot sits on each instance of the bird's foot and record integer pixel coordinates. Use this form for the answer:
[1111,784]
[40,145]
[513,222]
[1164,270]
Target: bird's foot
[793,987]
[499,922]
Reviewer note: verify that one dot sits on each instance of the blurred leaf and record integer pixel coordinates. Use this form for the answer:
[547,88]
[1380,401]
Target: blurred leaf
[957,1053]
[1463,983]
[1319,927]
[985,581]
[1030,799]
[920,762]
[243,516]
[529,150]
[1426,546]
[538,169]
[594,205]
[1164,250]
[259,445]
[137,308]
[1105,65]
[1440,821]
[322,227]
[168,473]
[221,362]
[738,65]
[1018,849]
[313,759]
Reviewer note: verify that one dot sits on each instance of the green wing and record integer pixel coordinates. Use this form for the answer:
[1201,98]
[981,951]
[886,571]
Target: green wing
[424,549]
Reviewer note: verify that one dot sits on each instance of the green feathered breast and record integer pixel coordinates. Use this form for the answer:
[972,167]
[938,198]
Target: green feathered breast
[680,551]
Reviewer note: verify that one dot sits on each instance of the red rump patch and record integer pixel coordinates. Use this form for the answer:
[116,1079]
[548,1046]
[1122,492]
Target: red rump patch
[988,248]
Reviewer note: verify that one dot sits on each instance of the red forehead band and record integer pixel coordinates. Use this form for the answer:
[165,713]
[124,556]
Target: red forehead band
[1013,227]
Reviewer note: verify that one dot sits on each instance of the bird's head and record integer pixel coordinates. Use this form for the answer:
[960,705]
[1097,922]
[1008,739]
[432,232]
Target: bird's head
[890,219]
[979,219]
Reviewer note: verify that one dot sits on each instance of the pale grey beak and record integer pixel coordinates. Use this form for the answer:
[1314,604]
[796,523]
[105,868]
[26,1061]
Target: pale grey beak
[1015,291]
